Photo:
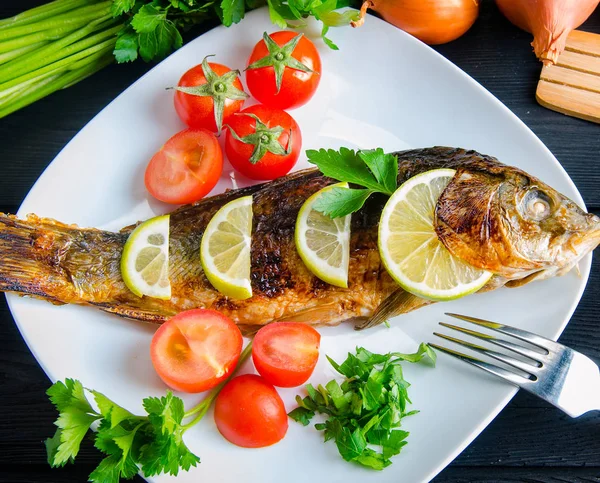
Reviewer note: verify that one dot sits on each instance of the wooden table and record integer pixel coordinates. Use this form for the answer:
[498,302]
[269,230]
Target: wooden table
[529,441]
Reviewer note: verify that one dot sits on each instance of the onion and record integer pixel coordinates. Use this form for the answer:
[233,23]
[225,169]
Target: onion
[550,22]
[432,21]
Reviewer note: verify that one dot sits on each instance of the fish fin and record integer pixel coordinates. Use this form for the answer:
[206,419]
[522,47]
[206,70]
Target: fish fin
[398,303]
[331,313]
[30,252]
[134,313]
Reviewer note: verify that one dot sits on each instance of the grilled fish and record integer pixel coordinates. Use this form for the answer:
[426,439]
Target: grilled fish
[492,216]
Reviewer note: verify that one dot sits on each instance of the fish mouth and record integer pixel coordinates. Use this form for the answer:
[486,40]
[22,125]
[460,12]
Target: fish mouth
[590,239]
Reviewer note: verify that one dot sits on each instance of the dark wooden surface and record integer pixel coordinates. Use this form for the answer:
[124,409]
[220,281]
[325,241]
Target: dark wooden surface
[529,441]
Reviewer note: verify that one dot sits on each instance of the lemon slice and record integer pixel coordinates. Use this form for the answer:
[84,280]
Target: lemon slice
[410,248]
[323,243]
[225,249]
[145,259]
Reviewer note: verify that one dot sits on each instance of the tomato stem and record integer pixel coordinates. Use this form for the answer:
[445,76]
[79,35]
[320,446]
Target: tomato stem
[202,408]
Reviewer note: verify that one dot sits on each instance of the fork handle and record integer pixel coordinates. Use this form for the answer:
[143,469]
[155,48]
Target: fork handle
[581,391]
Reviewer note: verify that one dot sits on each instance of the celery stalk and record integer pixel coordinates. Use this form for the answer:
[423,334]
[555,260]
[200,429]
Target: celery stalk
[54,83]
[43,36]
[81,15]
[42,12]
[60,49]
[67,62]
[5,57]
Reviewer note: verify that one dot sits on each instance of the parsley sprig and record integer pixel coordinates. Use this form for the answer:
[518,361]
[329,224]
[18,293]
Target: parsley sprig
[373,169]
[365,411]
[152,29]
[153,442]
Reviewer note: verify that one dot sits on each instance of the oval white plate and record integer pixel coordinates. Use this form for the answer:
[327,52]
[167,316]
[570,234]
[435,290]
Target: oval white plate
[416,99]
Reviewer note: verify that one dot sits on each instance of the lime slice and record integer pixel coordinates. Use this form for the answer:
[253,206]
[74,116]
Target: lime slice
[145,259]
[410,248]
[225,249]
[324,243]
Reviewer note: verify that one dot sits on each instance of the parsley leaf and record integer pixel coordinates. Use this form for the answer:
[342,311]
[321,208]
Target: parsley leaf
[373,169]
[76,417]
[119,7]
[147,19]
[343,165]
[339,202]
[277,15]
[126,48]
[233,11]
[350,444]
[425,350]
[301,415]
[159,42]
[365,411]
[383,166]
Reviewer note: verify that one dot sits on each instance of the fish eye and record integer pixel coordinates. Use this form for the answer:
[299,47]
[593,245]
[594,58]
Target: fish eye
[536,205]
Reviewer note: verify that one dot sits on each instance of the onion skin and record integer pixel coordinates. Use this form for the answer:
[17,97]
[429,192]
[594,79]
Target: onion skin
[550,22]
[431,21]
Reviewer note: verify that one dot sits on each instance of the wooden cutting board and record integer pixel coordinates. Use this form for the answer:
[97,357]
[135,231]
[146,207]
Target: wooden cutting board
[572,86]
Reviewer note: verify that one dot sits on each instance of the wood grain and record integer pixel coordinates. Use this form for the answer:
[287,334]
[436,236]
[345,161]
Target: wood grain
[584,42]
[579,61]
[572,87]
[570,77]
[529,442]
[569,100]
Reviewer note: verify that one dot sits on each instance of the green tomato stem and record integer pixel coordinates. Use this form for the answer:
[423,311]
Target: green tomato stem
[202,408]
[81,15]
[42,12]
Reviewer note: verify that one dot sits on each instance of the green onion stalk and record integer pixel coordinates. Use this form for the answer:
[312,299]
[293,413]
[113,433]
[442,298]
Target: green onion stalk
[52,47]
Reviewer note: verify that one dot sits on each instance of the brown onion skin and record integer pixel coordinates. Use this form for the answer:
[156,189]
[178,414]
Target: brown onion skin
[431,21]
[550,21]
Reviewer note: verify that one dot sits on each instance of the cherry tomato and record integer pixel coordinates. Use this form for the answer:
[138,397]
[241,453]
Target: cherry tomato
[201,111]
[250,413]
[297,87]
[286,353]
[277,153]
[196,350]
[186,168]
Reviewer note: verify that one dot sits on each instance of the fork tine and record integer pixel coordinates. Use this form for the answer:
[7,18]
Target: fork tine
[518,349]
[511,361]
[491,368]
[525,336]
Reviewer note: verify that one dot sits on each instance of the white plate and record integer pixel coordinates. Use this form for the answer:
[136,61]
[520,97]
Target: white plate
[383,88]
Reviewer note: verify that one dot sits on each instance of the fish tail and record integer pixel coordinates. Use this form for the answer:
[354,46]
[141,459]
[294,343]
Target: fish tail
[30,256]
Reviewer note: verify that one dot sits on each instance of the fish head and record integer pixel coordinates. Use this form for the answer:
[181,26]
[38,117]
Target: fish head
[501,219]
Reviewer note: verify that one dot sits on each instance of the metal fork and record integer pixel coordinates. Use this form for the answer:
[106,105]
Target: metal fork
[563,377]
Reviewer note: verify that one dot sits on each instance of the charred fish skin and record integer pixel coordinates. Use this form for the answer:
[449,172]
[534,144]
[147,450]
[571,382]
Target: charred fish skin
[482,207]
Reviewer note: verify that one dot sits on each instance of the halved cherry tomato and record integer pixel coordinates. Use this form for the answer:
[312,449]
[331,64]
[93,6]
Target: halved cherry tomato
[296,86]
[263,149]
[250,413]
[286,353]
[209,104]
[186,168]
[196,350]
